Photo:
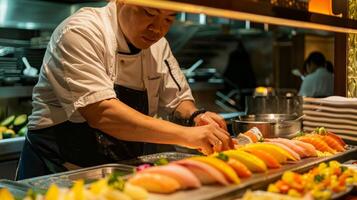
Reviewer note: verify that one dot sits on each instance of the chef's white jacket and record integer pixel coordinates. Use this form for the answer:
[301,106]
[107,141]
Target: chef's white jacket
[82,64]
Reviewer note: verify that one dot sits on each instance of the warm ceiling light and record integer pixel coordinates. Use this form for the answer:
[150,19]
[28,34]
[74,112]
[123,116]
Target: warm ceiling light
[321,6]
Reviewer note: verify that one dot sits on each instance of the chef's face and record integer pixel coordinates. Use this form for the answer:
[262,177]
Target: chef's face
[143,26]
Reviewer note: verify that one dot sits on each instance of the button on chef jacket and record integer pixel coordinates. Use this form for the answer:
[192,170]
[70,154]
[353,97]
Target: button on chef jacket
[82,64]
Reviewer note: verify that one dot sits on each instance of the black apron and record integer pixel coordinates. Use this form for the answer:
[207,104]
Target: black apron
[49,150]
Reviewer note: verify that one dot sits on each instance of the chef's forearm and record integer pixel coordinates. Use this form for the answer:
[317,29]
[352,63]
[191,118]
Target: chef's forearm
[120,121]
[185,109]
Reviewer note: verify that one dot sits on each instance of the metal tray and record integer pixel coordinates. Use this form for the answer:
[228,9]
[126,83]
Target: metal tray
[150,159]
[257,181]
[66,179]
[17,189]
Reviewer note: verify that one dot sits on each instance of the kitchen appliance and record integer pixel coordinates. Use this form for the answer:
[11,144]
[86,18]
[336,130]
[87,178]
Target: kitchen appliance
[287,104]
[270,125]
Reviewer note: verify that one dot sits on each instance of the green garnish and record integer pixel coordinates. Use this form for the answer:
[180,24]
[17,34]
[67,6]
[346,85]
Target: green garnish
[318,178]
[116,181]
[161,161]
[322,131]
[300,133]
[223,157]
[261,139]
[343,168]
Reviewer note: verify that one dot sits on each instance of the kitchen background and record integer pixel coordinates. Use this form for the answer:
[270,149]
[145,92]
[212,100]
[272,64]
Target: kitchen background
[265,58]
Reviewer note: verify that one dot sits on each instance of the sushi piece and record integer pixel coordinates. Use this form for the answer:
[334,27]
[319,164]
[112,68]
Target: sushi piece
[289,143]
[331,142]
[156,183]
[269,160]
[239,168]
[253,163]
[294,156]
[184,176]
[309,148]
[279,153]
[323,131]
[318,143]
[204,172]
[220,165]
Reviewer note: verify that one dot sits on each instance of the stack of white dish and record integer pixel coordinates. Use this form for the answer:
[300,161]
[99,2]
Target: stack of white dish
[336,114]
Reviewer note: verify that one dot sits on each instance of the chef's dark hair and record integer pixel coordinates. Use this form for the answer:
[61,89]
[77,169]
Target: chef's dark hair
[316,58]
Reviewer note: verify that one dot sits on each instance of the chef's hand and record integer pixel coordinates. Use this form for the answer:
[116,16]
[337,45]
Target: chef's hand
[210,118]
[209,139]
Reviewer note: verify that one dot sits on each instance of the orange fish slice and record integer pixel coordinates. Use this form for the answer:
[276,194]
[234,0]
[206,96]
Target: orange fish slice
[330,141]
[239,168]
[318,143]
[269,160]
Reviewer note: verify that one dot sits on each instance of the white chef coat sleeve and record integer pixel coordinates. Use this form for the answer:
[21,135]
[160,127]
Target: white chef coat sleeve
[76,69]
[175,88]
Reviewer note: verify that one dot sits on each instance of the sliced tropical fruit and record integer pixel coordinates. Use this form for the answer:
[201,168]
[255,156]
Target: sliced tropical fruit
[5,194]
[156,183]
[204,172]
[227,171]
[135,192]
[269,160]
[280,154]
[52,193]
[252,162]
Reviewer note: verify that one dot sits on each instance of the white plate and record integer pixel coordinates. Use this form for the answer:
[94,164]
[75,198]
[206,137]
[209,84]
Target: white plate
[330,115]
[348,135]
[329,125]
[335,101]
[330,109]
[333,121]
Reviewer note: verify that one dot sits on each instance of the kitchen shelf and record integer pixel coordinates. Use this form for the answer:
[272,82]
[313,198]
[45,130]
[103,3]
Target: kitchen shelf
[16,91]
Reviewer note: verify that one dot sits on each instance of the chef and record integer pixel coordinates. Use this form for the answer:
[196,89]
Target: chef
[105,75]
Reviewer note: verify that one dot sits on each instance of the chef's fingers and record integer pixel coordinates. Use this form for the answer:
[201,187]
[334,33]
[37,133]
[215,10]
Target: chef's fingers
[205,119]
[207,149]
[217,119]
[224,138]
[216,144]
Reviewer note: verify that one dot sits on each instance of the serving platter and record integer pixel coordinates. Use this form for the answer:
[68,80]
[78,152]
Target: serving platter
[257,181]
[66,179]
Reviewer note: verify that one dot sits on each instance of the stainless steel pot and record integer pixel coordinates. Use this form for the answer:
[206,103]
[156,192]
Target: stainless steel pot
[271,125]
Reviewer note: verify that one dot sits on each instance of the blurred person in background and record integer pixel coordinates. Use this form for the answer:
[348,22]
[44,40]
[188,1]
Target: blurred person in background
[318,80]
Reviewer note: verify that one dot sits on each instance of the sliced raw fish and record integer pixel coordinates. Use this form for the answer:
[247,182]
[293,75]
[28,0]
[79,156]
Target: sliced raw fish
[301,151]
[307,146]
[156,183]
[204,172]
[292,152]
[184,176]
